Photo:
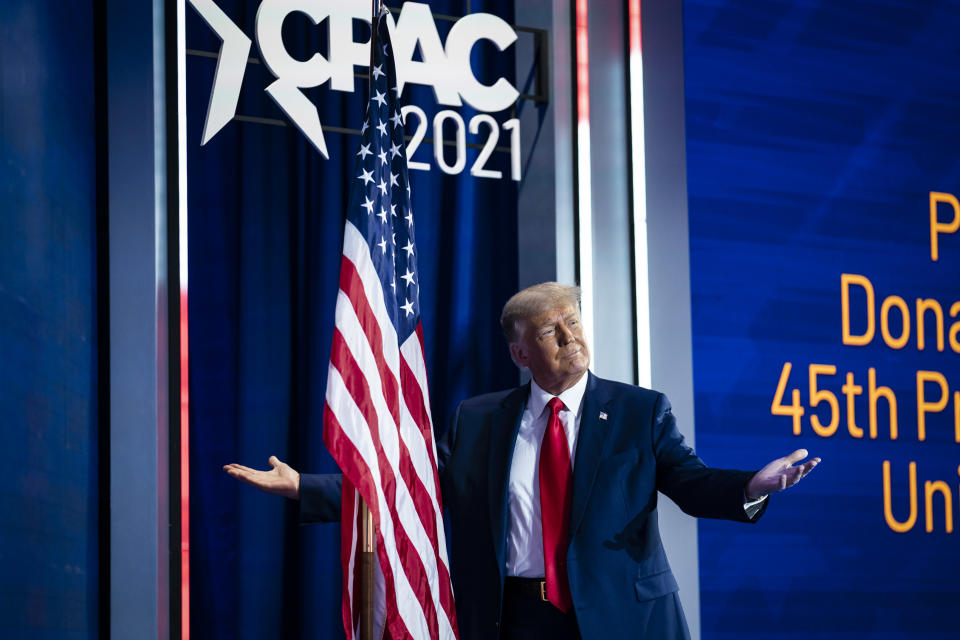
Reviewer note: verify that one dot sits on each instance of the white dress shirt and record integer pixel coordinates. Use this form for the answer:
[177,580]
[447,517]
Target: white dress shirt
[525,529]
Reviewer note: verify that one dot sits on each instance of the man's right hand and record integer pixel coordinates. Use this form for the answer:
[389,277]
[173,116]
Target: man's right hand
[281,480]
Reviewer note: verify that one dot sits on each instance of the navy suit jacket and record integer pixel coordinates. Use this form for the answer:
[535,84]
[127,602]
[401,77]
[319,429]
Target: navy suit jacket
[619,577]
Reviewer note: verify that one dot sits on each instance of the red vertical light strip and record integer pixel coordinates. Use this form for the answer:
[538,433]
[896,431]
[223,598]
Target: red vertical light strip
[184,467]
[583,65]
[635,42]
[182,250]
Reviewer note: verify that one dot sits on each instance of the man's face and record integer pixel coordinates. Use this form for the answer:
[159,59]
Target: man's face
[552,346]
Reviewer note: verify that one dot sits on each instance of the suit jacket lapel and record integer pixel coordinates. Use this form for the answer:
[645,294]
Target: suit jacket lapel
[503,437]
[591,443]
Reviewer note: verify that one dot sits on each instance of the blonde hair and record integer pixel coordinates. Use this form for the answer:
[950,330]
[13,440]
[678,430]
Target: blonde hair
[534,300]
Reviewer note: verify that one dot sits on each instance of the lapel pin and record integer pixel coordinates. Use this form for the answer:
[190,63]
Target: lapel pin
[603,415]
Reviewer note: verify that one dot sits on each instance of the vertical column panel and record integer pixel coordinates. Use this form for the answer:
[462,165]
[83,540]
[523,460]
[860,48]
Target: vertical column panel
[545,195]
[561,99]
[613,328]
[138,319]
[669,264]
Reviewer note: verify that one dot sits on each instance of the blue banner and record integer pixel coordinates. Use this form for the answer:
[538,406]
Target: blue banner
[823,173]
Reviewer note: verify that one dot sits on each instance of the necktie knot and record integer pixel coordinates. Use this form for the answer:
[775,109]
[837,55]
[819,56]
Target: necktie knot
[556,406]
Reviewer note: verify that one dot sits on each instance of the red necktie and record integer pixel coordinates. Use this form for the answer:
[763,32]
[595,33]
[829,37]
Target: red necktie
[556,494]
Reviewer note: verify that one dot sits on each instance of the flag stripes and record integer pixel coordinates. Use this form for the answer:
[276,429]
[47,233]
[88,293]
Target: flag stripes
[358,355]
[353,362]
[396,499]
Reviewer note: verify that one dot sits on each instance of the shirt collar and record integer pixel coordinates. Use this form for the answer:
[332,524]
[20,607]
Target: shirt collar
[572,398]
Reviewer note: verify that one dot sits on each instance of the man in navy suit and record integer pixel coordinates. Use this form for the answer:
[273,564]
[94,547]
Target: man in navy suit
[551,491]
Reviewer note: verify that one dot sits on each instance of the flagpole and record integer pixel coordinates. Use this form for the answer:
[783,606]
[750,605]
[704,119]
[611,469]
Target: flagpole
[366,571]
[367,534]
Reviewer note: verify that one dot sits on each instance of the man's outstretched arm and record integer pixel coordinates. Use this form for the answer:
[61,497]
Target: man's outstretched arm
[703,491]
[319,495]
[281,480]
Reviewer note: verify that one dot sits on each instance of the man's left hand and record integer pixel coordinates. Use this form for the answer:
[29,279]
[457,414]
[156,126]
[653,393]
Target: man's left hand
[780,474]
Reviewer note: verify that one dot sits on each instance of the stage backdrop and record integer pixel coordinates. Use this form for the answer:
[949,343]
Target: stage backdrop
[265,230]
[818,134]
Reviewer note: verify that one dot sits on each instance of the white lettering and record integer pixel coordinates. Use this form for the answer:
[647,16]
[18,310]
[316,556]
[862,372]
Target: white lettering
[463,35]
[445,68]
[416,27]
[230,67]
[292,75]
[345,52]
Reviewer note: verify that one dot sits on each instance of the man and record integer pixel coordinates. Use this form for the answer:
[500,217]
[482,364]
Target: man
[551,491]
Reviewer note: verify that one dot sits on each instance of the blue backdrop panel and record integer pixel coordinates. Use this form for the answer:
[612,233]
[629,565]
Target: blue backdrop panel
[48,338]
[815,132]
[265,230]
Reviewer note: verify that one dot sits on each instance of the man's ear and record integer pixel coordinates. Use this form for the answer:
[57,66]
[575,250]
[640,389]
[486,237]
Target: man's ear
[518,354]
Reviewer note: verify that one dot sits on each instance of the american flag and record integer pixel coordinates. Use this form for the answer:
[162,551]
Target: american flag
[377,421]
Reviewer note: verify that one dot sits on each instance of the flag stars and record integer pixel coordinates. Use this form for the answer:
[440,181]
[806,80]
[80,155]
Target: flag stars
[378,192]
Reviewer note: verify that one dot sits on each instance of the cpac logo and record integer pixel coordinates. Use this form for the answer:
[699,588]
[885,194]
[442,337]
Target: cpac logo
[445,68]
